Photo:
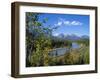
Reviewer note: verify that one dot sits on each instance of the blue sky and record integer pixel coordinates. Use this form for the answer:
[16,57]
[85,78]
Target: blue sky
[68,24]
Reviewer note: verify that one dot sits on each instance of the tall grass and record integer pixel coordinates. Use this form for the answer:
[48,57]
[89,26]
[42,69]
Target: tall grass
[74,57]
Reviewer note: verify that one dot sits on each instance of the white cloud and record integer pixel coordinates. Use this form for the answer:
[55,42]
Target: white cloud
[76,23]
[55,34]
[59,23]
[68,23]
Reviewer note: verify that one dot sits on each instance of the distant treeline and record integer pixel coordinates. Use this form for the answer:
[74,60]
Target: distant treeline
[84,41]
[61,43]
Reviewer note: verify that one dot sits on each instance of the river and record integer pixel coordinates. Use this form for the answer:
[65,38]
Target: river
[62,51]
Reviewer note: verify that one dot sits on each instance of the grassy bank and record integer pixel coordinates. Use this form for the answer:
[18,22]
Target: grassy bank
[74,57]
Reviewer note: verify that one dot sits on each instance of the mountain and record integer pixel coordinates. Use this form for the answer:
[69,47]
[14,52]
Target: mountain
[71,37]
[84,37]
[61,36]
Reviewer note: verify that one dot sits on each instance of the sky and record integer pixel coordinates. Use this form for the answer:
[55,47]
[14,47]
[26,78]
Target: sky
[68,24]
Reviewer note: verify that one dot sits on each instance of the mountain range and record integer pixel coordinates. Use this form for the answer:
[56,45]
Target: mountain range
[71,37]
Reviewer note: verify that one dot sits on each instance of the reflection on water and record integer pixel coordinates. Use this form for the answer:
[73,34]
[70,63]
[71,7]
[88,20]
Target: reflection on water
[59,51]
[75,45]
[62,51]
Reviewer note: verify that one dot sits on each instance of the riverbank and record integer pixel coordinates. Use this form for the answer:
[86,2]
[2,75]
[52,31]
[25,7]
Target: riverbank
[74,57]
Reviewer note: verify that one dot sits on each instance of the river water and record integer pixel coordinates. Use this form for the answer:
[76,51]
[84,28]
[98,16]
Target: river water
[62,51]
